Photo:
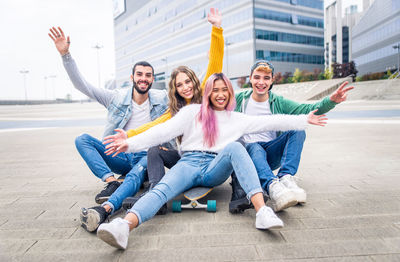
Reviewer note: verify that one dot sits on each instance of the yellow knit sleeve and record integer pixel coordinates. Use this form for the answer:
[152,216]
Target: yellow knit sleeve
[216,57]
[161,119]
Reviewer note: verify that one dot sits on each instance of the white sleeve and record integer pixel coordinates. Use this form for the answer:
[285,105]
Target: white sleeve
[260,124]
[163,132]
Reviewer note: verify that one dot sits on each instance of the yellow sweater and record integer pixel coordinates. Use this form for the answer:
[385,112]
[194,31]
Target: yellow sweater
[214,66]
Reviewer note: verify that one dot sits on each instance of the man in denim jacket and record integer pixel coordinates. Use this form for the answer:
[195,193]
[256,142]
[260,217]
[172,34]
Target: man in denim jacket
[127,109]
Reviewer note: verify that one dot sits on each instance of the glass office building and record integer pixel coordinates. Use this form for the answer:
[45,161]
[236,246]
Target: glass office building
[374,37]
[171,33]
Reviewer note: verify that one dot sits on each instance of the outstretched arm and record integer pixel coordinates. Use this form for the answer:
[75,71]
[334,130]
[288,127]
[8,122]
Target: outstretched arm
[216,56]
[62,43]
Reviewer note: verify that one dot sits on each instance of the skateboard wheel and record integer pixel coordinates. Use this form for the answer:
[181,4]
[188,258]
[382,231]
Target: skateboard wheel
[176,206]
[211,205]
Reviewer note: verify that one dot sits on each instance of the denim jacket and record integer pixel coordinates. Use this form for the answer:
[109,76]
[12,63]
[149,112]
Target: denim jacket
[120,108]
[118,102]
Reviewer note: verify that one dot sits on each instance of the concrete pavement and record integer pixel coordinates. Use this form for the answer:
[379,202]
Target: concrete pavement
[350,170]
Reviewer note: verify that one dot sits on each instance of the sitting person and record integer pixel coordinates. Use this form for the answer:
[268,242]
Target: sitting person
[210,154]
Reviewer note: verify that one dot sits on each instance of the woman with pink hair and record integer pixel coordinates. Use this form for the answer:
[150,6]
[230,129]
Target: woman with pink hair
[209,155]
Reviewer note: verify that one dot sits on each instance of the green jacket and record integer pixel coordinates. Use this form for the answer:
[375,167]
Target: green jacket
[281,105]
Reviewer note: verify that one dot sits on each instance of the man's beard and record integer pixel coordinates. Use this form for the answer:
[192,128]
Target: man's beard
[142,92]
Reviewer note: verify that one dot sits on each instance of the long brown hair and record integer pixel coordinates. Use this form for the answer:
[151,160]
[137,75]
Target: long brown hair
[176,102]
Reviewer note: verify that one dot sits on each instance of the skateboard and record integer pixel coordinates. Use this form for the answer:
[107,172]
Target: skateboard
[193,195]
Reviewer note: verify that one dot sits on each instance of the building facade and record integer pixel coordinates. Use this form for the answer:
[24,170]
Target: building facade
[171,33]
[375,36]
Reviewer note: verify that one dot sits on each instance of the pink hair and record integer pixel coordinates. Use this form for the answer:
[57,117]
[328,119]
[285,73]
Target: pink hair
[207,115]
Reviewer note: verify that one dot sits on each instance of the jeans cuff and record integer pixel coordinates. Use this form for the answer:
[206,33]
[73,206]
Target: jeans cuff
[110,204]
[253,192]
[137,214]
[107,176]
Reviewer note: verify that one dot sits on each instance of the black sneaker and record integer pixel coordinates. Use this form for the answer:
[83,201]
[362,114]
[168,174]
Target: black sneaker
[92,217]
[106,192]
[239,201]
[130,201]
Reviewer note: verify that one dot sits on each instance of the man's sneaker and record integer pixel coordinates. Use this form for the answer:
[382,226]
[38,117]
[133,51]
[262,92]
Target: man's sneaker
[281,197]
[130,201]
[290,183]
[115,233]
[92,217]
[266,219]
[107,192]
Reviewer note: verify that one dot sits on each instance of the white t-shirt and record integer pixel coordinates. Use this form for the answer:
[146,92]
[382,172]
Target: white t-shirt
[140,115]
[255,108]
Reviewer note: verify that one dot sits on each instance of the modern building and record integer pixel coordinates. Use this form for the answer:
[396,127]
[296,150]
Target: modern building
[338,32]
[171,33]
[376,37]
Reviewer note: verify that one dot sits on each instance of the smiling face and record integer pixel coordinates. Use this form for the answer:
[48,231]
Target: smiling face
[261,81]
[219,96]
[142,79]
[184,86]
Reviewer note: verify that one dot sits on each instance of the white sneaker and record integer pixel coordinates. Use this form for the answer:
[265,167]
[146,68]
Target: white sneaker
[281,197]
[290,183]
[266,219]
[115,233]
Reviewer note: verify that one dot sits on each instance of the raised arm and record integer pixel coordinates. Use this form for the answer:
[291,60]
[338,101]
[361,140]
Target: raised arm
[62,43]
[216,54]
[259,124]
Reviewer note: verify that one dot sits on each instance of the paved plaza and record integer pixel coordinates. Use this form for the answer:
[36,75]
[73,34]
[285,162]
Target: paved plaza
[350,170]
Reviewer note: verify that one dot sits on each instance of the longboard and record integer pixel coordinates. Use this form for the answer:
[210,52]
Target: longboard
[193,195]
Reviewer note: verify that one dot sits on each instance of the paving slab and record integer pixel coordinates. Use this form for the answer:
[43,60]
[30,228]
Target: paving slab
[350,170]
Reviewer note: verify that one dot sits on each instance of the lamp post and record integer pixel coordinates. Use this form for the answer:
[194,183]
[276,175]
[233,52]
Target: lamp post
[98,47]
[398,56]
[24,72]
[166,71]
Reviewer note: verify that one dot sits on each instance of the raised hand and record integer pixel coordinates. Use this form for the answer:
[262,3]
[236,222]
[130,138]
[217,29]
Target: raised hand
[340,94]
[113,142]
[62,43]
[214,17]
[318,120]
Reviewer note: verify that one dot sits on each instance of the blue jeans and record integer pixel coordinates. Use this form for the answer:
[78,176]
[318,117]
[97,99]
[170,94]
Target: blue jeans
[284,151]
[199,169]
[133,165]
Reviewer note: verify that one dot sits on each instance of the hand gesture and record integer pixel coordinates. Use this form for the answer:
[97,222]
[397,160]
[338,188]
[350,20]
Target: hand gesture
[116,143]
[340,94]
[318,120]
[214,17]
[61,43]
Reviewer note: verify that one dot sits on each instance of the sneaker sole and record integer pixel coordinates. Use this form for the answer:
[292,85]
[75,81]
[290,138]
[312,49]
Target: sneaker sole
[101,200]
[286,201]
[89,219]
[301,198]
[273,226]
[109,238]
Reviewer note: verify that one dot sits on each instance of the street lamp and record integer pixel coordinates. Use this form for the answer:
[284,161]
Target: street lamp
[166,70]
[24,72]
[398,56]
[98,47]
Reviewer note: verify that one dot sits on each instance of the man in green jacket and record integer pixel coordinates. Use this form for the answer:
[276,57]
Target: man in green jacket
[272,150]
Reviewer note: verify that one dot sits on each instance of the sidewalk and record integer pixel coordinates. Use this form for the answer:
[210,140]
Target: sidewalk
[350,170]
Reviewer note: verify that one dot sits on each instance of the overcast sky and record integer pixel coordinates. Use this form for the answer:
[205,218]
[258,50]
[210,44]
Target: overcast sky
[24,44]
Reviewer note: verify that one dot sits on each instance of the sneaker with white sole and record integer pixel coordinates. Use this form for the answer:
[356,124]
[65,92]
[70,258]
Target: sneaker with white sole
[115,233]
[266,219]
[290,183]
[281,197]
